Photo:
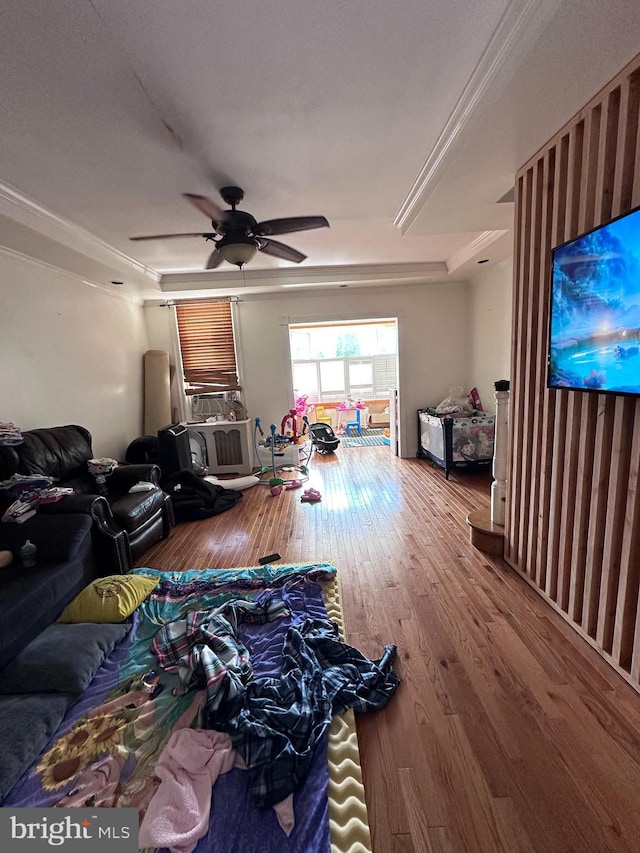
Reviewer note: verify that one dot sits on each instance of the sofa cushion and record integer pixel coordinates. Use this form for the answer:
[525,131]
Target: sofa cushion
[109,599]
[60,452]
[57,537]
[34,598]
[27,723]
[132,510]
[62,659]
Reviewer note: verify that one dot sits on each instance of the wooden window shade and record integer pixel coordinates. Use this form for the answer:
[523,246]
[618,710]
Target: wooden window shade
[205,329]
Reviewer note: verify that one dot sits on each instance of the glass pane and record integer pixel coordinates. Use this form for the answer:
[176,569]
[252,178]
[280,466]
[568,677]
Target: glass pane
[305,379]
[343,340]
[301,344]
[332,377]
[360,374]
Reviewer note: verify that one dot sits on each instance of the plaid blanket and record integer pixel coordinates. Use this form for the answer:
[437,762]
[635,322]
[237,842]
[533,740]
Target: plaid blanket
[205,651]
[275,723]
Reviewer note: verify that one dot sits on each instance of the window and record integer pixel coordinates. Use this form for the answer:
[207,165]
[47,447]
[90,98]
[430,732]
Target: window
[205,328]
[332,378]
[333,361]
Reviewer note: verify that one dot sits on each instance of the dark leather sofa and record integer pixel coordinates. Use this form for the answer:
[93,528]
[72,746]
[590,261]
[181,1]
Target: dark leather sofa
[124,524]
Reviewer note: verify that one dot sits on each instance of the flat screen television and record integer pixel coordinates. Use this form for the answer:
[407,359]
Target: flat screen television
[594,340]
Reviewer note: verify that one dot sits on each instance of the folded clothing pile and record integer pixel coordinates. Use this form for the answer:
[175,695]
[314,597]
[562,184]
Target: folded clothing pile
[101,465]
[10,434]
[26,492]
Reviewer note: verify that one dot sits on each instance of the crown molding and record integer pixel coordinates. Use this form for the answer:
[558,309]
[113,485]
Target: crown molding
[329,275]
[63,230]
[479,244]
[76,279]
[515,29]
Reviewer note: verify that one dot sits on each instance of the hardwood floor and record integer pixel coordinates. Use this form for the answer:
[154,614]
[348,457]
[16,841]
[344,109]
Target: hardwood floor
[508,732]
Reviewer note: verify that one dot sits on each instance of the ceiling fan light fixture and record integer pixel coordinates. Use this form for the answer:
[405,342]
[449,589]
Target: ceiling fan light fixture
[238,252]
[237,235]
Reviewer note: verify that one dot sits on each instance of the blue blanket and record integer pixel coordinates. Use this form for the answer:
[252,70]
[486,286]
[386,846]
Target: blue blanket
[105,751]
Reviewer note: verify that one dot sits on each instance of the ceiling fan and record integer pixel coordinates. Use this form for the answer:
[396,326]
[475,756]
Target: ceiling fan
[238,235]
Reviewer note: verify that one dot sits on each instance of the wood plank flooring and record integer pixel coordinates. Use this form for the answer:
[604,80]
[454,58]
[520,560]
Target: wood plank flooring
[508,732]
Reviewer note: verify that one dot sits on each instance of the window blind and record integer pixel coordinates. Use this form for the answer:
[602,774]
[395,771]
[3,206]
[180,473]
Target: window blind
[205,329]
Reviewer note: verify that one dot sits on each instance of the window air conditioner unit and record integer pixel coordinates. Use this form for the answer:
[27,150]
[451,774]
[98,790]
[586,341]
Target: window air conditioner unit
[206,405]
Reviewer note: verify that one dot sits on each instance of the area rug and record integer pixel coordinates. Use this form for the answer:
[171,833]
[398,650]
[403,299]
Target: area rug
[362,441]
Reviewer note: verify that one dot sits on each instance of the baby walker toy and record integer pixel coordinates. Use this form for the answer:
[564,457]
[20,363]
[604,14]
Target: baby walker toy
[284,449]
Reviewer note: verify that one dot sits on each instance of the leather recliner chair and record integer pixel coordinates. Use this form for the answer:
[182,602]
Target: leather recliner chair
[125,524]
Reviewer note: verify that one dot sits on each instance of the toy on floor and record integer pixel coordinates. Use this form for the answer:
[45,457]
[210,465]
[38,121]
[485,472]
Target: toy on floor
[281,447]
[310,496]
[323,438]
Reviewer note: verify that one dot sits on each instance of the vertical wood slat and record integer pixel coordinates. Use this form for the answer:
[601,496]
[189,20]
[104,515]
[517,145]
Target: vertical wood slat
[586,218]
[635,657]
[558,401]
[608,150]
[555,505]
[614,524]
[573,498]
[540,445]
[569,483]
[511,501]
[597,513]
[574,404]
[529,346]
[516,439]
[577,557]
[547,396]
[627,137]
[627,602]
[634,144]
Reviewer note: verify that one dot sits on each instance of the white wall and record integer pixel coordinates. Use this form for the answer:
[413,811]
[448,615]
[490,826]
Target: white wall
[433,330]
[71,353]
[490,304]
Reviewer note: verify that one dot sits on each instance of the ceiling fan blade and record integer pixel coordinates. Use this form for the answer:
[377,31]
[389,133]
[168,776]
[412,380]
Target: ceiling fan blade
[207,206]
[214,260]
[169,236]
[279,250]
[290,224]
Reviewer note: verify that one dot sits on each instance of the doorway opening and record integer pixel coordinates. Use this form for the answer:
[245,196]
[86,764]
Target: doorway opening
[345,373]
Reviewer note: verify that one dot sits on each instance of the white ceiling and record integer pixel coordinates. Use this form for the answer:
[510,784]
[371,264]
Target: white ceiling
[402,121]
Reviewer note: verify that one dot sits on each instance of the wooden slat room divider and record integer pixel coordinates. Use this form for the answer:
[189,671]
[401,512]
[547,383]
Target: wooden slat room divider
[573,509]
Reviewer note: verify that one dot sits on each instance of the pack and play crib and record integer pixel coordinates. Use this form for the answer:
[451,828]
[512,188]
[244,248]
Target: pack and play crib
[456,442]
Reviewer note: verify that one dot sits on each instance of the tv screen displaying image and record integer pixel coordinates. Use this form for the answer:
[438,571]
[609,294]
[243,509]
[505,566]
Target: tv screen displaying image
[594,341]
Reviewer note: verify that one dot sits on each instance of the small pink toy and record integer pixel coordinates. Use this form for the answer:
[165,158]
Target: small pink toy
[293,484]
[310,496]
[275,490]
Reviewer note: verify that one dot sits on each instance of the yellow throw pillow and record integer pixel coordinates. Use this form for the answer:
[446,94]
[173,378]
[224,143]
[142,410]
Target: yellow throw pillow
[109,599]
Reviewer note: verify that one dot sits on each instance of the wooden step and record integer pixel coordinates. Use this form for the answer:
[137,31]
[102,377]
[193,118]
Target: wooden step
[484,534]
